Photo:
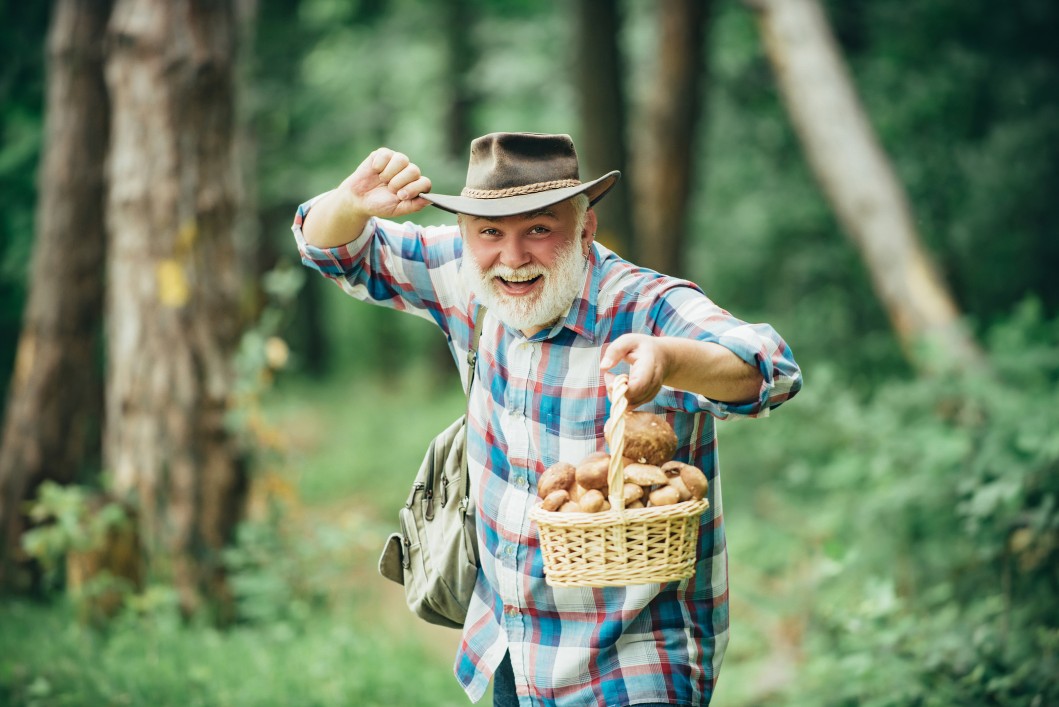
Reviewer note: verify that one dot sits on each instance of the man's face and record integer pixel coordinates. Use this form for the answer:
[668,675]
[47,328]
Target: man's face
[528,268]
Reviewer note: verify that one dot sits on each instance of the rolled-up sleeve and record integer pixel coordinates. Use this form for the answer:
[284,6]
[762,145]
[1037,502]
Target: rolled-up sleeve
[686,312]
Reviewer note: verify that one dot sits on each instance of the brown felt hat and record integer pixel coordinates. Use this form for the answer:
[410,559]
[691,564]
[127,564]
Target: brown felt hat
[514,173]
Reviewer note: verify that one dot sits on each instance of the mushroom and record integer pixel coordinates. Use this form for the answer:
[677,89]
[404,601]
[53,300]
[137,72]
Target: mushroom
[592,501]
[645,475]
[690,476]
[555,500]
[649,439]
[591,473]
[559,476]
[664,496]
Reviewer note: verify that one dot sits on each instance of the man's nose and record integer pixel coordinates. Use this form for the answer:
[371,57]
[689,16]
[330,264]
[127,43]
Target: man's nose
[513,253]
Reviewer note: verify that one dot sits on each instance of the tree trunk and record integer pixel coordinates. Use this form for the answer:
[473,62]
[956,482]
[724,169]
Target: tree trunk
[665,154]
[172,304]
[458,18]
[600,75]
[247,228]
[859,181]
[51,428]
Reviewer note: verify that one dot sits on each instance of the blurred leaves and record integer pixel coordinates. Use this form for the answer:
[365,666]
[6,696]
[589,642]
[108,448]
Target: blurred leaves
[931,509]
[69,519]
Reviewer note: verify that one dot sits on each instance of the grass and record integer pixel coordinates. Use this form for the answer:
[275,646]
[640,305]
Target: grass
[329,659]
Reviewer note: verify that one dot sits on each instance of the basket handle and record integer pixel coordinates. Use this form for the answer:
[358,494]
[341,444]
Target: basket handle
[616,472]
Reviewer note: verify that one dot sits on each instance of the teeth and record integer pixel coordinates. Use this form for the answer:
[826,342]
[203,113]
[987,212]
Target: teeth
[515,278]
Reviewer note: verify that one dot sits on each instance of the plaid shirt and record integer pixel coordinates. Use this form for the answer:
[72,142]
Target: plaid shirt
[540,400]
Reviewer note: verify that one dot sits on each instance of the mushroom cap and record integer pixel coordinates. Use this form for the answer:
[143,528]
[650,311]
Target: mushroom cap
[649,439]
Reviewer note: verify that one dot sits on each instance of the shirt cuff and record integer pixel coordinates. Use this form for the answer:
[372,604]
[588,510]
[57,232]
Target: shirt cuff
[750,349]
[333,261]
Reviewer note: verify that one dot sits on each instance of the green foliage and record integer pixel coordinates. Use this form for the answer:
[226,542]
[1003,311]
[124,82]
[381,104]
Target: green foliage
[983,97]
[68,519]
[280,575]
[330,86]
[765,243]
[927,517]
[262,353]
[964,98]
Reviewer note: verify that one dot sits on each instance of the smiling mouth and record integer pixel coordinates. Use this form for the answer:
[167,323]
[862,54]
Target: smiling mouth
[517,287]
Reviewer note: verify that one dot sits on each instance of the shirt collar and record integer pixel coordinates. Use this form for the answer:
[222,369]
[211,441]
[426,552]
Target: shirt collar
[581,315]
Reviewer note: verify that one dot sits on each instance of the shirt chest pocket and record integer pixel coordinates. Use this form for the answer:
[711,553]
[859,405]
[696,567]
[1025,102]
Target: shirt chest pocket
[575,418]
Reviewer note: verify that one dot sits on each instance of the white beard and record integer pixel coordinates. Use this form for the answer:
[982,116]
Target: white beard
[552,298]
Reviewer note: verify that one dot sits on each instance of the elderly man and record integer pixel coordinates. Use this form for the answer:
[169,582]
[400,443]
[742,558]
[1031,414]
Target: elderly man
[562,312]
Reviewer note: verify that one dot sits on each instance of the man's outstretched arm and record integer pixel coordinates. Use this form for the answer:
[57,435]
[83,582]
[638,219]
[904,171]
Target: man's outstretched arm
[686,364]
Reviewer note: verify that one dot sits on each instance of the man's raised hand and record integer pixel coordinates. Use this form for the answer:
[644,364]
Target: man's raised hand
[387,185]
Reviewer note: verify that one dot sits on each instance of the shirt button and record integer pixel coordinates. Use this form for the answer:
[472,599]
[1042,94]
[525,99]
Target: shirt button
[520,481]
[509,550]
[511,610]
[517,414]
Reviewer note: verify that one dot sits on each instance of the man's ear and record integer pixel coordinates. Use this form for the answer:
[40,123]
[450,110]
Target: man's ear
[589,234]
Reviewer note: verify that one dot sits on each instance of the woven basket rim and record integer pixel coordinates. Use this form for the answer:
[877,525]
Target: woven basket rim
[615,517]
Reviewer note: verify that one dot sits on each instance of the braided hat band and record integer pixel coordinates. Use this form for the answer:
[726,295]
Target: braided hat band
[516,191]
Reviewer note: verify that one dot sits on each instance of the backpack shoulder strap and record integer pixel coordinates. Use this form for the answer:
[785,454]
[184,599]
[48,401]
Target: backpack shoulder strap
[472,352]
[472,361]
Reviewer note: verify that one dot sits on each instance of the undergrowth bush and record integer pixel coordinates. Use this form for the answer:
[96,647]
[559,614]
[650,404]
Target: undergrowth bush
[931,511]
[276,576]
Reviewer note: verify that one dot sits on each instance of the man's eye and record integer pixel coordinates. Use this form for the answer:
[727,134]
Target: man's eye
[490,232]
[540,230]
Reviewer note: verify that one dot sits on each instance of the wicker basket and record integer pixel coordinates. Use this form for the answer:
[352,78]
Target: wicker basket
[619,547]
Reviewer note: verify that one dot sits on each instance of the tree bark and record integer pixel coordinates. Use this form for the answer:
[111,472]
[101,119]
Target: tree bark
[249,249]
[602,144]
[51,427]
[172,305]
[859,182]
[665,155]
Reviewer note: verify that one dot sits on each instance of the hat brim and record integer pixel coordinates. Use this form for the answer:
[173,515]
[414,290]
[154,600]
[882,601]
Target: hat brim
[523,203]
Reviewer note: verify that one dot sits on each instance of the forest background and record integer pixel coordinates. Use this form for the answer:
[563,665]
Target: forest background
[894,530]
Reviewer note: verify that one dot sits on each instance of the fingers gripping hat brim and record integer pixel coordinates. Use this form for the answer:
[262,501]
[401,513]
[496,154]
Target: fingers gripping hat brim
[523,203]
